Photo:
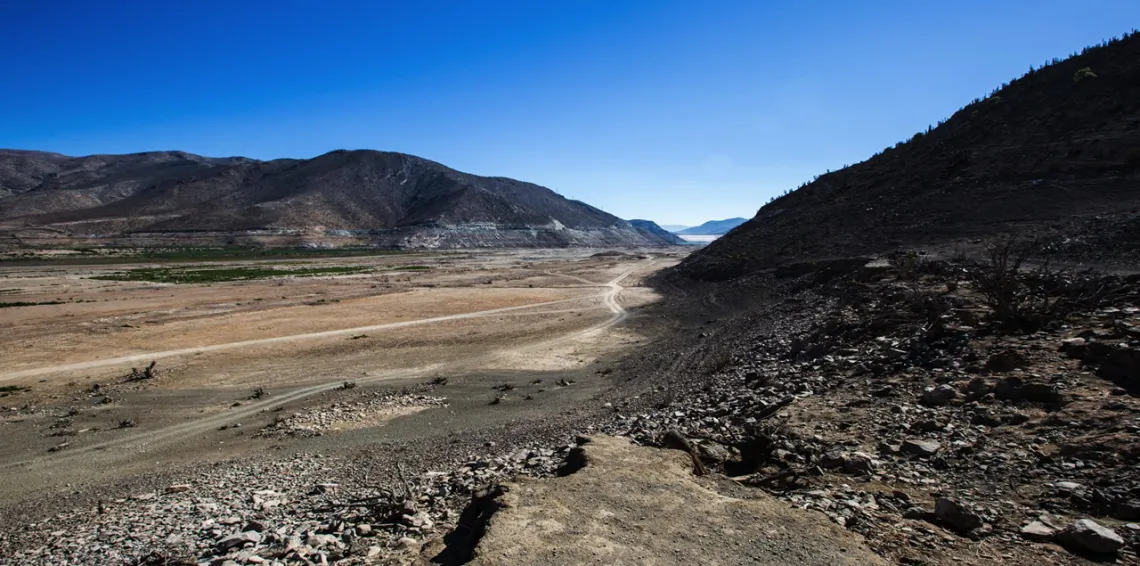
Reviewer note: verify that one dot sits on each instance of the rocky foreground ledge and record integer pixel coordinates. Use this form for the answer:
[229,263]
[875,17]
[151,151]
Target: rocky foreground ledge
[624,504]
[605,501]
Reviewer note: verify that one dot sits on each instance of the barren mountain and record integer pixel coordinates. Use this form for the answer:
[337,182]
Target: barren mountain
[1053,154]
[651,228]
[713,227]
[383,198]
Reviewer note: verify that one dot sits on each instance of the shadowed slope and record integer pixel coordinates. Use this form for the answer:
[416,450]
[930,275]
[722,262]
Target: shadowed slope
[1045,154]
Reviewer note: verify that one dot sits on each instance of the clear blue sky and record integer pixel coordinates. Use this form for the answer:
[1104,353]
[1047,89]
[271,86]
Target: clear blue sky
[678,111]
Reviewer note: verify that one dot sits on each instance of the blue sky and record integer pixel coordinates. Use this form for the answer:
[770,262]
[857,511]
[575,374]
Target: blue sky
[675,111]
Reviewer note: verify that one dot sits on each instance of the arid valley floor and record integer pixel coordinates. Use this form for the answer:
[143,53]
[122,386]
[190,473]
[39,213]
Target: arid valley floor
[232,356]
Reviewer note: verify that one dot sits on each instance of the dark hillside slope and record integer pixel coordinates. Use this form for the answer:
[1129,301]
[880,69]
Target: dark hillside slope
[1056,152]
[650,227]
[389,199]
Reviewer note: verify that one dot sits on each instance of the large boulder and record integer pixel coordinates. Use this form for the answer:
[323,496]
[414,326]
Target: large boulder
[1089,535]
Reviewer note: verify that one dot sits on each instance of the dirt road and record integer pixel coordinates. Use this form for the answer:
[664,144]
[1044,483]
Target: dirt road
[132,445]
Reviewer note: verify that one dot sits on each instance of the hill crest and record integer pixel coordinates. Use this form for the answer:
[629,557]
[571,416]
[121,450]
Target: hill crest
[1051,155]
[381,198]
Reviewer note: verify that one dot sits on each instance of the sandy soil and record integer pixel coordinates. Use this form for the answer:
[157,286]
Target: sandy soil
[508,313]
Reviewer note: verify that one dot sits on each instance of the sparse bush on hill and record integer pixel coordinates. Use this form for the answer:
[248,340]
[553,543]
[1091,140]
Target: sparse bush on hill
[1026,295]
[144,374]
[1082,74]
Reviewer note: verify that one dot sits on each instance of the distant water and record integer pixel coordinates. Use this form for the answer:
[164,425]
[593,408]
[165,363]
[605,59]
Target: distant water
[698,239]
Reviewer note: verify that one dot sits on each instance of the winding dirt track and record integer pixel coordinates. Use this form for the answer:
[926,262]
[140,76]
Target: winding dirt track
[123,360]
[143,441]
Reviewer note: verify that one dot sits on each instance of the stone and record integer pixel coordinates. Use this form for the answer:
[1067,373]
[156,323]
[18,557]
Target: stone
[1122,366]
[420,521]
[938,396]
[1006,361]
[714,452]
[1089,535]
[1068,486]
[1128,510]
[956,516]
[1074,347]
[407,543]
[1014,388]
[364,529]
[921,448]
[916,513]
[1038,531]
[238,540]
[178,488]
[858,463]
[322,541]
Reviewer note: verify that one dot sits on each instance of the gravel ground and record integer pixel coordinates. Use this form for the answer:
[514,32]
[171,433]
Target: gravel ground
[885,396]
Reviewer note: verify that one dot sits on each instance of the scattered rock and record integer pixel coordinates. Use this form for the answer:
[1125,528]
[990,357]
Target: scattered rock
[921,448]
[238,540]
[1038,531]
[1089,535]
[956,516]
[938,396]
[1006,361]
[1128,510]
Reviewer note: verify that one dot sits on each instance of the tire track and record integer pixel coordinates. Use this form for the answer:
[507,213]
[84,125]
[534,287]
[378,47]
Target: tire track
[126,446]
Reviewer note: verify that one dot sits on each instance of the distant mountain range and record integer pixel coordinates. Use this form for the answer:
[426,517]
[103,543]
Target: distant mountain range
[674,227]
[361,197]
[712,227]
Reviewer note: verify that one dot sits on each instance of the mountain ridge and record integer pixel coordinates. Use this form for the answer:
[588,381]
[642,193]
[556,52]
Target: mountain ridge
[385,198]
[1051,156]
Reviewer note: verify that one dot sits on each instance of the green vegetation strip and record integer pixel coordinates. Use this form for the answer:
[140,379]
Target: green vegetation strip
[220,275]
[27,304]
[8,390]
[90,256]
[411,268]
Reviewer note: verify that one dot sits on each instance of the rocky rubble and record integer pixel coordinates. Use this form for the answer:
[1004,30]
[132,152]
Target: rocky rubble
[378,406]
[903,411]
[271,512]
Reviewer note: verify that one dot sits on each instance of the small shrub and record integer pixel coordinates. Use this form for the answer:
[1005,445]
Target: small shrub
[8,390]
[1082,74]
[1026,297]
[909,265]
[144,374]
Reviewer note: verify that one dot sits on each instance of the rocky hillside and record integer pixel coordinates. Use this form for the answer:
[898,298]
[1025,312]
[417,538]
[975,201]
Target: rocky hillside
[1053,153]
[652,229]
[383,198]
